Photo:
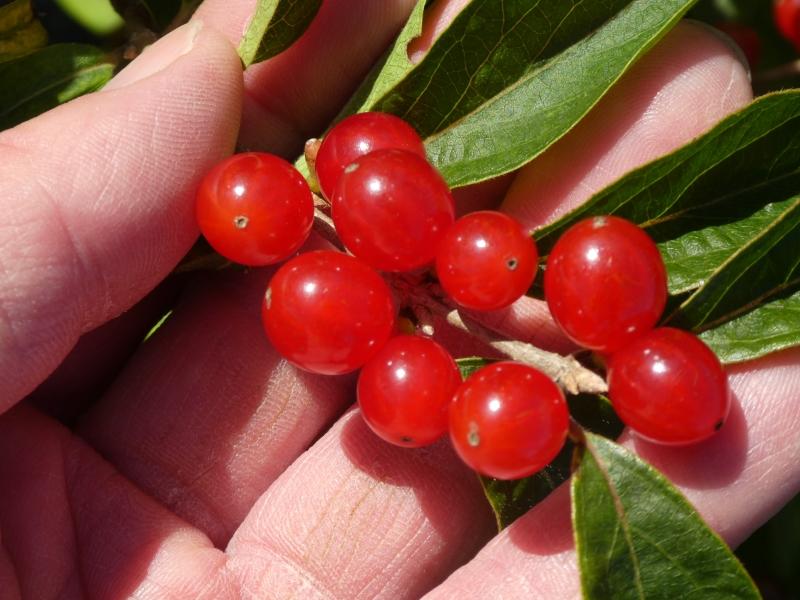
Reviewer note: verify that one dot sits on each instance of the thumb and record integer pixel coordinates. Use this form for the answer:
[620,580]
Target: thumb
[96,197]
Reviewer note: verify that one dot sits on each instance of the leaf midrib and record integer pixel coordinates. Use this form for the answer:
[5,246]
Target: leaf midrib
[621,514]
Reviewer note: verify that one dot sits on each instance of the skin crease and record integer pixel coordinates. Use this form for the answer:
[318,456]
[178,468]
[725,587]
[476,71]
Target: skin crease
[211,469]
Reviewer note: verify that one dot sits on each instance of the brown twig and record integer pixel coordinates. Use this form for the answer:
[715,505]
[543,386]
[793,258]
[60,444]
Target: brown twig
[779,73]
[564,370]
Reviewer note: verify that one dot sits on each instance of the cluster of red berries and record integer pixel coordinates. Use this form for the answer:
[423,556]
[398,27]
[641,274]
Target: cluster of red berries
[606,287]
[331,313]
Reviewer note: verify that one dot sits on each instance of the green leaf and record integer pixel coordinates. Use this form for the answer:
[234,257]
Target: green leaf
[48,77]
[767,265]
[470,364]
[712,180]
[154,14]
[20,31]
[275,25]
[512,499]
[637,537]
[14,15]
[391,69]
[692,258]
[728,226]
[508,79]
[769,328]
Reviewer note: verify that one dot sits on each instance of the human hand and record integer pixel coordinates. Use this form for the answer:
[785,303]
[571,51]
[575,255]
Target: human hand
[205,488]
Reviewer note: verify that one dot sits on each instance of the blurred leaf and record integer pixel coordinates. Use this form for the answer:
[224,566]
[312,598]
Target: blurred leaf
[15,14]
[157,15]
[97,16]
[48,77]
[637,537]
[274,27]
[508,79]
[770,554]
[20,31]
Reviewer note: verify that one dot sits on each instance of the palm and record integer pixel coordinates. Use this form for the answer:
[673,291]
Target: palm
[200,443]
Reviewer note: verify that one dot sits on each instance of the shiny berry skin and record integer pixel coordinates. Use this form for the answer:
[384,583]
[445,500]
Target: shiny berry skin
[358,135]
[391,209]
[605,283]
[669,387]
[255,209]
[327,312]
[405,391]
[486,261]
[787,20]
[508,420]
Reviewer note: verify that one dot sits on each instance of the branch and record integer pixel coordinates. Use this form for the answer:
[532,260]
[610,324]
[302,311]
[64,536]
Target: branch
[779,73]
[566,371]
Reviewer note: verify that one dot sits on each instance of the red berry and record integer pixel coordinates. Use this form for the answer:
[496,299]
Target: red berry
[787,20]
[255,209]
[508,420]
[486,261]
[405,390]
[327,312]
[391,209]
[358,135]
[669,387]
[745,37]
[605,283]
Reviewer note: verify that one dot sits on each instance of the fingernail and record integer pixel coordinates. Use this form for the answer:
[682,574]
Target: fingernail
[159,56]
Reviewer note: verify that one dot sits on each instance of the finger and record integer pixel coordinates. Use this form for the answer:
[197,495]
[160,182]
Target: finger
[293,96]
[181,451]
[74,528]
[207,415]
[97,358]
[96,197]
[355,517]
[8,578]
